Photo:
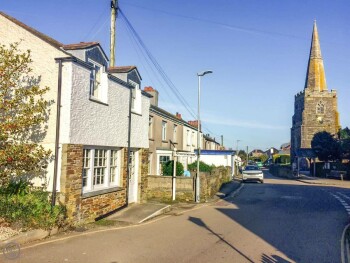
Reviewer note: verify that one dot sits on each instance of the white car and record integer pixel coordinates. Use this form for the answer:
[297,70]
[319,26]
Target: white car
[252,173]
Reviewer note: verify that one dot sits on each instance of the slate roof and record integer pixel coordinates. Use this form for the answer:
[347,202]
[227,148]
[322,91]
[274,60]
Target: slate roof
[81,45]
[121,69]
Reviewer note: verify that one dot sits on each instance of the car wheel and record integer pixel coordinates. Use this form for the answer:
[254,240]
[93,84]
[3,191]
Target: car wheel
[262,181]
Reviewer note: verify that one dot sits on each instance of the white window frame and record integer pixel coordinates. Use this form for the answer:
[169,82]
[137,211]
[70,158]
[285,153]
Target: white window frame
[90,168]
[168,156]
[189,138]
[94,82]
[164,126]
[135,97]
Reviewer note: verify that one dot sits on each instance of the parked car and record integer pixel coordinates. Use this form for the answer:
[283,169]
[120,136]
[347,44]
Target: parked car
[252,173]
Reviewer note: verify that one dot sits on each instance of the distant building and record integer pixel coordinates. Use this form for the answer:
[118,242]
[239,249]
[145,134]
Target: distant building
[285,148]
[315,108]
[256,153]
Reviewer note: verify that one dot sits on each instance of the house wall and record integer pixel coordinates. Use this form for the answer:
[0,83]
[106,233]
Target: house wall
[84,121]
[43,65]
[157,145]
[217,160]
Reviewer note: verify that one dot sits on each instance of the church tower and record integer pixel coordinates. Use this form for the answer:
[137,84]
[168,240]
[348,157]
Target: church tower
[315,108]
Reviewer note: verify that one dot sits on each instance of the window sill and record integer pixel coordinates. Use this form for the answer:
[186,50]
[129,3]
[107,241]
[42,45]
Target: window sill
[103,191]
[92,98]
[151,139]
[164,141]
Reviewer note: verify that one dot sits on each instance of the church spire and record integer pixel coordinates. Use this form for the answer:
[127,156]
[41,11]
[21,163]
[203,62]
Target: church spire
[315,76]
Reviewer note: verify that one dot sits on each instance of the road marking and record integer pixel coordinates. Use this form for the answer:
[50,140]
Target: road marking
[344,203]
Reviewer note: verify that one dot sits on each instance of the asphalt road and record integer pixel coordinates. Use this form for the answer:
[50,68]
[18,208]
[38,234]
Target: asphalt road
[278,221]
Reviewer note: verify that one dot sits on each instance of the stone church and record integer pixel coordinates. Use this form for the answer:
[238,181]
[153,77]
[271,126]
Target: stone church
[315,108]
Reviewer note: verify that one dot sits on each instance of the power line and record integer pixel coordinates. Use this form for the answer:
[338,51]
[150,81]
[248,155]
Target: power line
[160,70]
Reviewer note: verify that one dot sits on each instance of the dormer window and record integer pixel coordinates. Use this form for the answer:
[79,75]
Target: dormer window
[135,97]
[95,81]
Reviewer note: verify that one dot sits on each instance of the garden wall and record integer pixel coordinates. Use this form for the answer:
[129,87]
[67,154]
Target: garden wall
[160,187]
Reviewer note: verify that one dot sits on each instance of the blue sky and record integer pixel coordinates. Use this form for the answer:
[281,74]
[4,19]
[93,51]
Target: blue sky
[257,49]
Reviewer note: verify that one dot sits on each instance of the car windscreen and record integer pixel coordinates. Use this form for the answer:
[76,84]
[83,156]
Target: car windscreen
[249,168]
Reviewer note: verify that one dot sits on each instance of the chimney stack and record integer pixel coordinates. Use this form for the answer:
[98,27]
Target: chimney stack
[154,93]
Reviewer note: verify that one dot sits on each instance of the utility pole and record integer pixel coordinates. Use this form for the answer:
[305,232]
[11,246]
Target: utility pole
[247,155]
[114,13]
[174,176]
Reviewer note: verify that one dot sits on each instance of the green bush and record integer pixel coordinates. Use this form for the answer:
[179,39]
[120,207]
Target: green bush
[169,166]
[203,167]
[29,208]
[281,158]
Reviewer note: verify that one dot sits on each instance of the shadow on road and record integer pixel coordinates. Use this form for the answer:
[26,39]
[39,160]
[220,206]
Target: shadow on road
[273,259]
[304,222]
[199,222]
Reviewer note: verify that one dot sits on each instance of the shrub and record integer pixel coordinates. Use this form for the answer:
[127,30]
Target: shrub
[169,166]
[203,167]
[29,208]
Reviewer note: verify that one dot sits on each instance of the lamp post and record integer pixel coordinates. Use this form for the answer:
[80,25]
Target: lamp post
[198,189]
[237,164]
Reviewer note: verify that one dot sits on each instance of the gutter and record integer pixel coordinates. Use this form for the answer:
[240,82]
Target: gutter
[128,160]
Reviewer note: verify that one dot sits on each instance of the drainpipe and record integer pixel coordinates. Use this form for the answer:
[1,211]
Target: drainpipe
[128,160]
[58,116]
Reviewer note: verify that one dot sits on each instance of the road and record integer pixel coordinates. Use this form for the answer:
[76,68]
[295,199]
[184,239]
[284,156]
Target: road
[278,221]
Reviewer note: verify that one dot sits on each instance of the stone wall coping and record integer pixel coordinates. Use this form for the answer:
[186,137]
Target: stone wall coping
[170,177]
[103,191]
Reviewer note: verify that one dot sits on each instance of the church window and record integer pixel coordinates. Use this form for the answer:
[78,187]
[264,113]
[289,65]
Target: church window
[320,108]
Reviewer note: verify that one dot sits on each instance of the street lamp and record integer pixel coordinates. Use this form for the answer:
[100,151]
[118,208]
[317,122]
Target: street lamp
[201,74]
[237,164]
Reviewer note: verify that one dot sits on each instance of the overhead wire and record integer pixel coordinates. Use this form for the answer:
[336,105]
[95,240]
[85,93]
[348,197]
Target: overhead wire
[140,52]
[160,70]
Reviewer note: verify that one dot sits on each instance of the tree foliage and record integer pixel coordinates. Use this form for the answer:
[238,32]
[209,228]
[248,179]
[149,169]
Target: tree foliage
[23,112]
[344,136]
[203,167]
[326,147]
[168,168]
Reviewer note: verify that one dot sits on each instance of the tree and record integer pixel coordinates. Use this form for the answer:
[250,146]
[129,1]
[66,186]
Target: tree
[325,146]
[243,155]
[23,113]
[344,138]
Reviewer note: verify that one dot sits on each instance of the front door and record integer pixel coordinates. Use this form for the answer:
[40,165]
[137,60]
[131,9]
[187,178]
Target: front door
[133,177]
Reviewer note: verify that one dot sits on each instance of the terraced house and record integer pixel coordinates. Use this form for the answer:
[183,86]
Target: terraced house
[168,133]
[89,122]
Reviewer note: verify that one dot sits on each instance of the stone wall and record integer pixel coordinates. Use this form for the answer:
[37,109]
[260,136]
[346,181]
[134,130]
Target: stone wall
[82,208]
[281,170]
[160,187]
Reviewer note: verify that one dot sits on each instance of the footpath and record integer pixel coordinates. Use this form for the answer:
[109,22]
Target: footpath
[322,181]
[131,215]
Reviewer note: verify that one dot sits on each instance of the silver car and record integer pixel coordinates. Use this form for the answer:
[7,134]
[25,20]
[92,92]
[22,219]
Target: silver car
[252,173]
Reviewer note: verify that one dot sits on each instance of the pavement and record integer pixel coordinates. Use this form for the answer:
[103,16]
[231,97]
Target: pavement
[322,181]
